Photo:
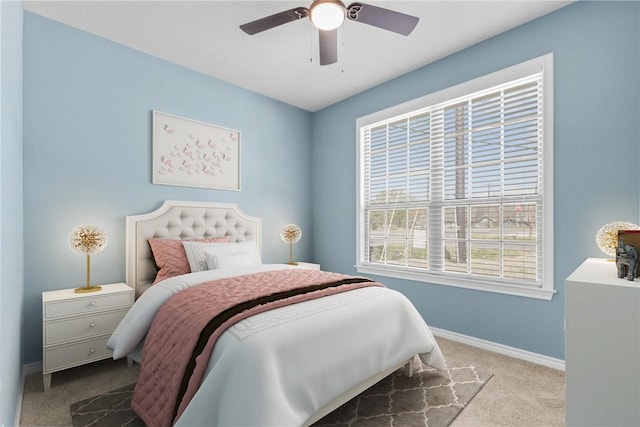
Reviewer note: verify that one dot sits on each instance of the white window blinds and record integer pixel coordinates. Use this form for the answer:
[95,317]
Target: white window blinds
[456,189]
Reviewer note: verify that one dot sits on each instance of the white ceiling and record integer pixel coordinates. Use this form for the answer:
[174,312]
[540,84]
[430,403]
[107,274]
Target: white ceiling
[282,63]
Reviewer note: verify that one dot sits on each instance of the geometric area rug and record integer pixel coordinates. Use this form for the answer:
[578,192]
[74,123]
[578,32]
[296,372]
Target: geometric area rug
[430,398]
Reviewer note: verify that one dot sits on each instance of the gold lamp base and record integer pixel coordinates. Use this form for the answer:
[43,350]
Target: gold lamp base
[291,262]
[87,289]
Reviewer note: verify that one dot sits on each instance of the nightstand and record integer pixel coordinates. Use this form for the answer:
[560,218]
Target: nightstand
[308,265]
[77,326]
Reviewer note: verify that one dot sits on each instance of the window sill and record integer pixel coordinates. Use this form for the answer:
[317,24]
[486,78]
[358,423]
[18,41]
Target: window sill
[461,282]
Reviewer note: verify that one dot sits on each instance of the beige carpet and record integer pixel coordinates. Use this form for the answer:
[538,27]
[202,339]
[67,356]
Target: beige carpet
[519,393]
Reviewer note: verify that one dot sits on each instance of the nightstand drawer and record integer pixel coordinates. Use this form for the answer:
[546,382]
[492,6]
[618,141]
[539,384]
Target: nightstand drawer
[66,356]
[69,307]
[72,329]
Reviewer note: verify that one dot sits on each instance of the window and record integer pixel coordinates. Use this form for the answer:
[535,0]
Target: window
[455,188]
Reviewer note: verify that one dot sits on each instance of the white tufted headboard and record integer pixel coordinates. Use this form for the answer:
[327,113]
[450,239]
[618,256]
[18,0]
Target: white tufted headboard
[182,220]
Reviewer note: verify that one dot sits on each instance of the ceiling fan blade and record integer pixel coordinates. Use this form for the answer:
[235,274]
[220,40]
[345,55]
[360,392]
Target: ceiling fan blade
[328,47]
[387,19]
[274,20]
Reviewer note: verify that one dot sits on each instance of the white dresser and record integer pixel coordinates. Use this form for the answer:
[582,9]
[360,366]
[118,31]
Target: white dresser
[77,326]
[602,347]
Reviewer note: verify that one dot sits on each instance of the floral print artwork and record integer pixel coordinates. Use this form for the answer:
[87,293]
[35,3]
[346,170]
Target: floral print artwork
[191,153]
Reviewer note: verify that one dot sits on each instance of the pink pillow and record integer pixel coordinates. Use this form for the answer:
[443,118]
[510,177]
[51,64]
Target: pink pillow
[171,258]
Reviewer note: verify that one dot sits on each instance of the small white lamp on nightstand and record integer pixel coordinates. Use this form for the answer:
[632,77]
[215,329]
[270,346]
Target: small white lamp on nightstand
[290,234]
[88,240]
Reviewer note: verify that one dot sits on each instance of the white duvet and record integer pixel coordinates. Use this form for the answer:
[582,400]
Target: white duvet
[279,368]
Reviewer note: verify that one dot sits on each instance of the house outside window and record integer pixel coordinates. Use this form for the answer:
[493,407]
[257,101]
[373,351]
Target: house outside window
[456,187]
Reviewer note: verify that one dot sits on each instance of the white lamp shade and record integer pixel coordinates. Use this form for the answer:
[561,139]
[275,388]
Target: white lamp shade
[327,14]
[290,233]
[87,239]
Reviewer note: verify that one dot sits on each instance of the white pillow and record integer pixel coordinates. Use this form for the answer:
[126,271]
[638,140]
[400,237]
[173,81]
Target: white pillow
[227,255]
[221,262]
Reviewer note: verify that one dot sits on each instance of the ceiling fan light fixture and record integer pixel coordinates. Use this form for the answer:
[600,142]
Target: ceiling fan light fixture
[327,14]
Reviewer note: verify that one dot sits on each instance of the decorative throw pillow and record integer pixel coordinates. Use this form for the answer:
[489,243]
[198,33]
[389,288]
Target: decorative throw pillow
[224,261]
[170,257]
[198,259]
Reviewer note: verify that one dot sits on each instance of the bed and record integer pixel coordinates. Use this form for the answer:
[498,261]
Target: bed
[288,366]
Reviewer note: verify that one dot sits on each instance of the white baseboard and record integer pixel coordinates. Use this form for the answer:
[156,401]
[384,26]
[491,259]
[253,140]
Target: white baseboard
[16,420]
[539,359]
[32,368]
[28,369]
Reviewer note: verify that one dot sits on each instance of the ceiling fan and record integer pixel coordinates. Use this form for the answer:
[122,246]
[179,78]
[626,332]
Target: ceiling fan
[328,15]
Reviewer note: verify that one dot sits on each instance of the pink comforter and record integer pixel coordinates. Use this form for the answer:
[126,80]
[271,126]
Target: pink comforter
[169,375]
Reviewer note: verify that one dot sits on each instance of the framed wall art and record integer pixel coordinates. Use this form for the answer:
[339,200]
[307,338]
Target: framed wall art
[195,154]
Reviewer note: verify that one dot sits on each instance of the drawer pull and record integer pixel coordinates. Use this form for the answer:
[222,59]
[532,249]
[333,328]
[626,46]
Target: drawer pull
[93,350]
[92,303]
[92,325]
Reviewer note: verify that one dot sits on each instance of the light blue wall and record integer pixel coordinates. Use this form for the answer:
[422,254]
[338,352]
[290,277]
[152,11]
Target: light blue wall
[11,255]
[87,154]
[596,49]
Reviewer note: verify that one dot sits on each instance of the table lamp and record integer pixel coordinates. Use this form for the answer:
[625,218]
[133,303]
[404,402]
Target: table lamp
[88,240]
[290,234]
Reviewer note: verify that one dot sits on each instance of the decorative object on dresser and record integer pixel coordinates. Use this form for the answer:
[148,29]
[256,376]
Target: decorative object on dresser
[602,347]
[195,154]
[76,326]
[607,236]
[629,238]
[626,261]
[290,234]
[88,240]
